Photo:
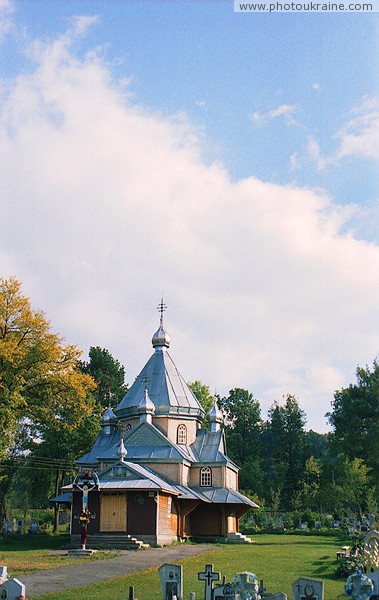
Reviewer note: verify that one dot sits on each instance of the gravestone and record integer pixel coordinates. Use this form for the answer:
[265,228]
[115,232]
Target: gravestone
[375,581]
[33,526]
[305,588]
[279,523]
[12,589]
[20,526]
[246,585]
[223,590]
[3,574]
[304,526]
[318,525]
[171,578]
[359,586]
[209,576]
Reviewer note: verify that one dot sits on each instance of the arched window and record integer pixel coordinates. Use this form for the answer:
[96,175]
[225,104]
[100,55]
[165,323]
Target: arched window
[182,434]
[206,477]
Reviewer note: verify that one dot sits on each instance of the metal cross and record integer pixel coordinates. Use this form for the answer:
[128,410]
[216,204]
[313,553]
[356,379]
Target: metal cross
[162,307]
[209,576]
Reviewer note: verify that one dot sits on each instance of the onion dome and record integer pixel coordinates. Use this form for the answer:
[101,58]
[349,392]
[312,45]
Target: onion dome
[214,416]
[108,418]
[146,405]
[161,339]
[121,450]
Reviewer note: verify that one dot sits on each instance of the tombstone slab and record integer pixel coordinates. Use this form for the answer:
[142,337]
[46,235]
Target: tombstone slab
[305,588]
[171,578]
[12,589]
[375,580]
[3,574]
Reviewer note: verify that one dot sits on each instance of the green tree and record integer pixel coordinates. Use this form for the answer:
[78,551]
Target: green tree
[40,384]
[311,484]
[288,445]
[202,393]
[355,419]
[108,374]
[242,426]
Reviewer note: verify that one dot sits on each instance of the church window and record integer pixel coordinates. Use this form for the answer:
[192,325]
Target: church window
[182,434]
[206,477]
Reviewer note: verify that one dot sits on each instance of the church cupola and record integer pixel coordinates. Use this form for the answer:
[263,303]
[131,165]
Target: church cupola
[108,420]
[161,339]
[214,416]
[146,408]
[121,450]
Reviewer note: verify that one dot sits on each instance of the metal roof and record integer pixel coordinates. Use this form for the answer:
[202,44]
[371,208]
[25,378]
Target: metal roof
[167,389]
[224,496]
[104,444]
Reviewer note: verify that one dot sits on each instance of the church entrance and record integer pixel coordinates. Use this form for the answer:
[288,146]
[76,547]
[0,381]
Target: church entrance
[113,512]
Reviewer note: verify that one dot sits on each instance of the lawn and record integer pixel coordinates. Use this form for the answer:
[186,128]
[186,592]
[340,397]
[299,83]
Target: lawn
[277,559]
[24,555]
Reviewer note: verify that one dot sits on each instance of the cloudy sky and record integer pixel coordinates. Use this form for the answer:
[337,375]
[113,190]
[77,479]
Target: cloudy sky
[226,160]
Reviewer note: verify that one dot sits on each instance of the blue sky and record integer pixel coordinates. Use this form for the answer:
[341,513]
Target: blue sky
[228,159]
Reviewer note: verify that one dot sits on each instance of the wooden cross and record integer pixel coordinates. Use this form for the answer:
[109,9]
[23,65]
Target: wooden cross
[209,576]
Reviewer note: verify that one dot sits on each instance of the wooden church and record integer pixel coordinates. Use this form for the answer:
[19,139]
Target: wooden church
[157,474]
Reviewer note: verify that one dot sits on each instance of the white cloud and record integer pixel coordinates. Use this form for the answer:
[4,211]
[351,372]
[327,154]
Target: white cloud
[105,203]
[359,137]
[287,111]
[6,12]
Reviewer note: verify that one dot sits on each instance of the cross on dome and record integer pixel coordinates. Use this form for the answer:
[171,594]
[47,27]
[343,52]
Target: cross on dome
[160,338]
[162,308]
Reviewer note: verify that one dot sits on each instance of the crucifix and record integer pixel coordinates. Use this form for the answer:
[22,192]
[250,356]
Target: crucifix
[86,481]
[209,576]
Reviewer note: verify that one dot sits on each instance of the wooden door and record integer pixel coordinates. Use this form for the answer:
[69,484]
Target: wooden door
[113,512]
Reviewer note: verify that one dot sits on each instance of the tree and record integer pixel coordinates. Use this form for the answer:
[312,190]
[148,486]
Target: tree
[108,374]
[288,439]
[40,384]
[242,425]
[355,419]
[202,393]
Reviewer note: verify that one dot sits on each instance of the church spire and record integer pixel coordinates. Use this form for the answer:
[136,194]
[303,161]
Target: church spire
[161,339]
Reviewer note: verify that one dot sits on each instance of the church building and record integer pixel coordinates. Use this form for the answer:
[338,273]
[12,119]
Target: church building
[157,472]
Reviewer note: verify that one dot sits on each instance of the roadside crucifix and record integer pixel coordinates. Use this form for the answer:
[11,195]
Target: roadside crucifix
[85,481]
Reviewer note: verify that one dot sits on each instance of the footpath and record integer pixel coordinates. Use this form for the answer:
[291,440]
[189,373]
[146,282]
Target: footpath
[91,572]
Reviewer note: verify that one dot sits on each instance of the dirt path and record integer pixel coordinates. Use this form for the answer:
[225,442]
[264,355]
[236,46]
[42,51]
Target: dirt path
[129,561]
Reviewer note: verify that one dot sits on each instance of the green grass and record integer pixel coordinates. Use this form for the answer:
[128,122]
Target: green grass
[27,554]
[277,559]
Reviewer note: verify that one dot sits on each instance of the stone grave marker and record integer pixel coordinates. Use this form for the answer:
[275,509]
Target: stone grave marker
[3,574]
[305,588]
[359,586]
[318,525]
[209,576]
[171,578]
[12,589]
[375,580]
[33,526]
[304,526]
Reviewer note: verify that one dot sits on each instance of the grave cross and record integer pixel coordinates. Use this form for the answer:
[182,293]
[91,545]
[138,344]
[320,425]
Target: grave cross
[209,576]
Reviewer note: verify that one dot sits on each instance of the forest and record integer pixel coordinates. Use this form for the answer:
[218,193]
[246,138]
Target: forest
[51,402]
